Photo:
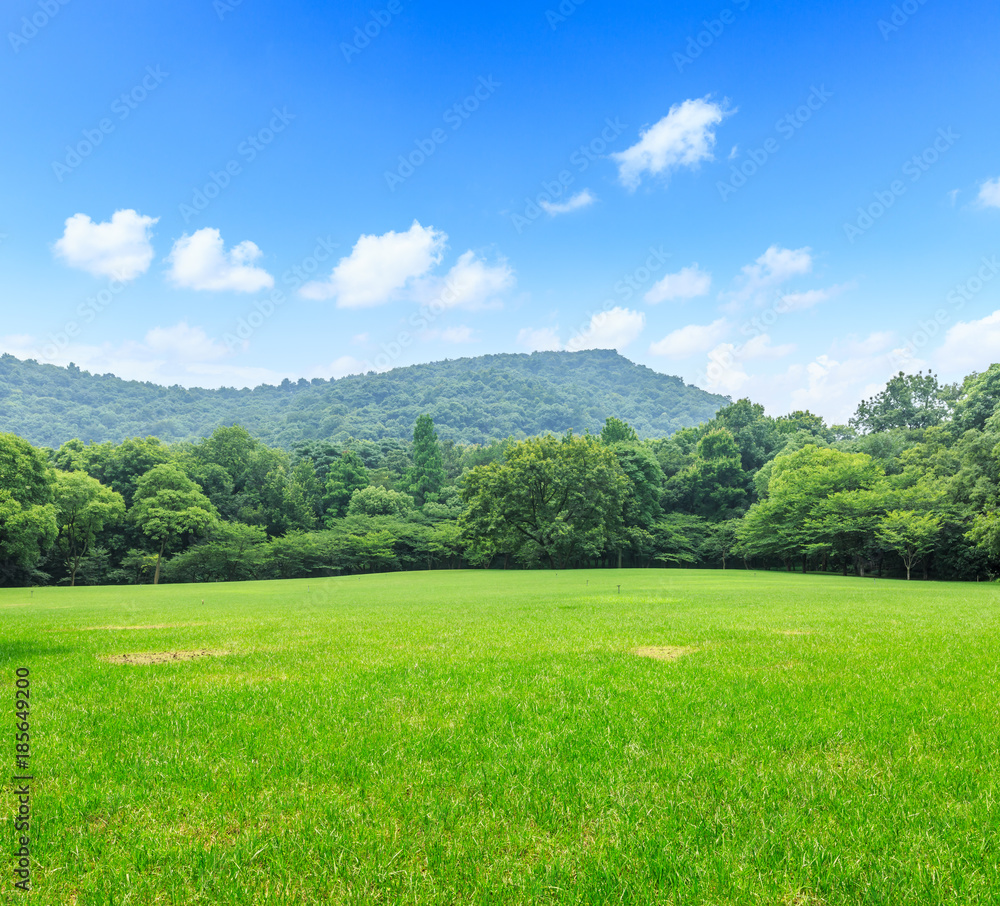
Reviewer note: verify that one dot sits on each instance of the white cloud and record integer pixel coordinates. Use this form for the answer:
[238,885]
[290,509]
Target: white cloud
[612,329]
[188,344]
[541,339]
[873,344]
[691,340]
[120,247]
[685,136]
[970,345]
[580,200]
[687,283]
[180,354]
[759,347]
[458,335]
[379,267]
[200,261]
[989,193]
[341,367]
[774,267]
[472,283]
[725,373]
[812,297]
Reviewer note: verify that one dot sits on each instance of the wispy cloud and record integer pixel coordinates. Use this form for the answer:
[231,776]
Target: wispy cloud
[683,138]
[580,200]
[687,283]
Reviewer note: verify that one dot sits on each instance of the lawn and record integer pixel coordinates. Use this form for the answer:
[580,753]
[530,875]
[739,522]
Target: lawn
[473,737]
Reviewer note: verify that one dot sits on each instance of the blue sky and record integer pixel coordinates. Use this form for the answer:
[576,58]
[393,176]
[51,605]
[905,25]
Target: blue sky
[769,200]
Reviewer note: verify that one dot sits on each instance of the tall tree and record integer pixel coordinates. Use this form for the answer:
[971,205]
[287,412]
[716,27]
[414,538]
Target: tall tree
[427,474]
[83,508]
[344,476]
[169,505]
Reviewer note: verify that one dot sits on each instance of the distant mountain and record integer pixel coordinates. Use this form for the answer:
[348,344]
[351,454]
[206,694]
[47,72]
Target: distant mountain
[472,400]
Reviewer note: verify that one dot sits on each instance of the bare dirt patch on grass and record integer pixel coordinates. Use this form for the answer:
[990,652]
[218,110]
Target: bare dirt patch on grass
[123,628]
[664,653]
[161,657]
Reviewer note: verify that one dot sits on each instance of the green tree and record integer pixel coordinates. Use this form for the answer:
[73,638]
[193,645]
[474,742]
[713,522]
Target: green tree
[910,534]
[83,508]
[376,501]
[27,515]
[794,517]
[168,506]
[551,499]
[615,431]
[344,476]
[427,474]
[908,401]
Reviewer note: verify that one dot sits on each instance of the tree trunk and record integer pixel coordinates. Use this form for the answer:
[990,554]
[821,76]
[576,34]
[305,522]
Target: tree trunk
[805,563]
[619,559]
[159,557]
[907,572]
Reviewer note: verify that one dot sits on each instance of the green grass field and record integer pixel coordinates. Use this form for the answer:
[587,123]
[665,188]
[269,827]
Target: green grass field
[473,737]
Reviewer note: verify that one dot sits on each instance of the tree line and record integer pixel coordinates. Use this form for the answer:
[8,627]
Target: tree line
[911,486]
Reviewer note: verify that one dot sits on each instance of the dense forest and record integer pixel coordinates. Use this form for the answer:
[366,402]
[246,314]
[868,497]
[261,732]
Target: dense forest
[471,401]
[911,487]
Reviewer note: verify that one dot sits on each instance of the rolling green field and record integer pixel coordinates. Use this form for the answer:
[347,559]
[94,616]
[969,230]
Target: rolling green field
[474,737]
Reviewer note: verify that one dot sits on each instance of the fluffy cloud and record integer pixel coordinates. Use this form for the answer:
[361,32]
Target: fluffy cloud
[970,345]
[776,266]
[687,283]
[472,283]
[685,136]
[379,267]
[612,329]
[580,200]
[989,193]
[188,344]
[120,247]
[200,261]
[541,339]
[691,340]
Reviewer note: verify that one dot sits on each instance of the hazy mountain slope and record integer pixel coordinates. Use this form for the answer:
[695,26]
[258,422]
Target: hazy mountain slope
[471,400]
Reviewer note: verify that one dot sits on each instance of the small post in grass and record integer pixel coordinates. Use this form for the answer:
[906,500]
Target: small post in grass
[619,589]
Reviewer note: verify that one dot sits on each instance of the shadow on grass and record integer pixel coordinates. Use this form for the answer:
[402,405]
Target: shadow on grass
[17,651]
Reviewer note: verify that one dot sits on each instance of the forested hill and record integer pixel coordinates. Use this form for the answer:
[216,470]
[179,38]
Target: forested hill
[472,400]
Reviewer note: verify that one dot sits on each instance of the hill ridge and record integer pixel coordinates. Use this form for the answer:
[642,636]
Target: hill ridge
[472,399]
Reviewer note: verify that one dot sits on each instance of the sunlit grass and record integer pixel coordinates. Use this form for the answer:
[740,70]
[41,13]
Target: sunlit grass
[474,737]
